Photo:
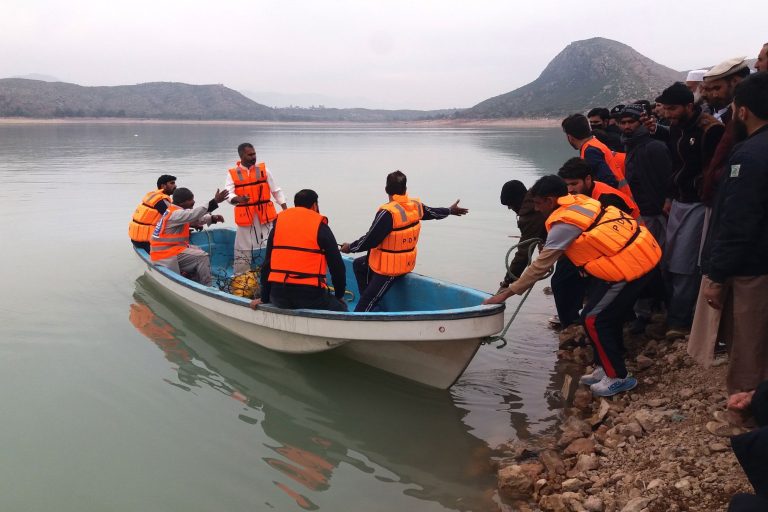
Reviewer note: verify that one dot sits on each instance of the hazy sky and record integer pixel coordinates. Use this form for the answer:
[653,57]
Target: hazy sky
[390,54]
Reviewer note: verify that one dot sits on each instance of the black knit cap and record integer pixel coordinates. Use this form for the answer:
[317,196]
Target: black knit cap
[676,94]
[512,194]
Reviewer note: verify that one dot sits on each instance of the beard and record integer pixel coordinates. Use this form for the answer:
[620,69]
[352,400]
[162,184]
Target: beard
[739,129]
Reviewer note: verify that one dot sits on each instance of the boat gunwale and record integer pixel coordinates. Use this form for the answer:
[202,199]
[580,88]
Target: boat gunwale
[348,316]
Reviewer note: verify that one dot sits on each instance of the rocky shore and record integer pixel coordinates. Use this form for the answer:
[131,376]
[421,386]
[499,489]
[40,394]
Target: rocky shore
[646,450]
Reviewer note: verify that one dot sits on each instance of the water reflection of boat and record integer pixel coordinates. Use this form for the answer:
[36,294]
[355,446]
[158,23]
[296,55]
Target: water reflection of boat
[323,411]
[429,331]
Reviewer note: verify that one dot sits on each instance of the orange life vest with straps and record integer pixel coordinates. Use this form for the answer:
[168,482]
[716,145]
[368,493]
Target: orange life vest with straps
[145,216]
[396,255]
[615,164]
[601,188]
[613,246]
[296,257]
[253,183]
[165,245]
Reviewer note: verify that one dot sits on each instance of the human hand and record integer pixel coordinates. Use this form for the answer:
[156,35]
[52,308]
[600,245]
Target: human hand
[216,218]
[344,248]
[667,207]
[455,209]
[239,199]
[221,195]
[498,298]
[740,401]
[713,293]
[254,303]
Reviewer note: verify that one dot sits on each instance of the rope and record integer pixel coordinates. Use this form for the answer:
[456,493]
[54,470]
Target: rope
[531,243]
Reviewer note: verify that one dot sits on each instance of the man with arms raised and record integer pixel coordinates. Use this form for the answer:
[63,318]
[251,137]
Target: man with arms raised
[170,240]
[612,248]
[391,241]
[251,188]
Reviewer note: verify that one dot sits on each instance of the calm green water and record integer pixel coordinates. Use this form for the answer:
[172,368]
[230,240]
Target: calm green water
[115,399]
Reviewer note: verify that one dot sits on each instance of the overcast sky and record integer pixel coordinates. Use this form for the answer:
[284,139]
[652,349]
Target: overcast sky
[371,53]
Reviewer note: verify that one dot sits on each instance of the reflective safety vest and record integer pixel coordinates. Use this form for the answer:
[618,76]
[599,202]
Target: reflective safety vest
[613,246]
[601,188]
[296,257]
[616,164]
[164,244]
[396,255]
[146,216]
[253,183]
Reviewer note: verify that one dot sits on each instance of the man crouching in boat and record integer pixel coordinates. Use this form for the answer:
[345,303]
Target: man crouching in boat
[391,241]
[612,249]
[169,245]
[300,248]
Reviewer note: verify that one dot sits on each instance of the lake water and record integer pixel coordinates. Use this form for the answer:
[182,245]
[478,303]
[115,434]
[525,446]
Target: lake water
[114,399]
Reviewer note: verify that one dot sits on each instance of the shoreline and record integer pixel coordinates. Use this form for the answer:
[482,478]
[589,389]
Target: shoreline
[645,450]
[437,123]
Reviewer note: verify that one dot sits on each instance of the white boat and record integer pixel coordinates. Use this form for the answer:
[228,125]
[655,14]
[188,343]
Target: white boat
[427,330]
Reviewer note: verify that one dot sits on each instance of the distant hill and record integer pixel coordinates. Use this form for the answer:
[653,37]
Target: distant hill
[593,72]
[156,100]
[38,76]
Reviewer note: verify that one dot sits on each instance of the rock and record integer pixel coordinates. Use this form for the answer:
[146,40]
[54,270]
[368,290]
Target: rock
[686,393]
[636,504]
[582,399]
[602,412]
[647,419]
[643,362]
[572,484]
[656,482]
[683,484]
[552,462]
[593,504]
[632,428]
[582,445]
[717,447]
[658,402]
[552,503]
[514,483]
[586,463]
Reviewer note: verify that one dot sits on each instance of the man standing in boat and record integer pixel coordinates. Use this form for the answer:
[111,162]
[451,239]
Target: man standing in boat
[610,246]
[170,239]
[152,206]
[251,188]
[300,249]
[391,241]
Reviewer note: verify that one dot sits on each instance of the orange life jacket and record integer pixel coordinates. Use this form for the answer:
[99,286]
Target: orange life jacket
[146,216]
[296,257]
[253,183]
[601,188]
[613,246]
[165,245]
[615,164]
[396,255]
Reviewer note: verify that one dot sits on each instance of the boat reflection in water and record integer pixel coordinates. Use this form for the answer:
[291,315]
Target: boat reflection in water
[319,411]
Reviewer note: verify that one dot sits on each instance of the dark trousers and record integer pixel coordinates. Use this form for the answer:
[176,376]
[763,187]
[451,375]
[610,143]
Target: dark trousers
[291,296]
[683,290]
[372,286]
[747,503]
[568,288]
[603,316]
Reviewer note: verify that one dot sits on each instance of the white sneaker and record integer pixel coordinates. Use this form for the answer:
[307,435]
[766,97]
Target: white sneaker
[610,386]
[593,378]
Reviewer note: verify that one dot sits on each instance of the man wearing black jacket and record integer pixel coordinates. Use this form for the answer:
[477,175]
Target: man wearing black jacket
[735,257]
[302,240]
[694,136]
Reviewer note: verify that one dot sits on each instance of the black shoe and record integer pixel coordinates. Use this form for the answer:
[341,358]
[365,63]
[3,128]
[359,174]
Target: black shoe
[639,325]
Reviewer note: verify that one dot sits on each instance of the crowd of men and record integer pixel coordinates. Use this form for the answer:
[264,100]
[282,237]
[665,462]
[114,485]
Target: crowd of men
[665,211]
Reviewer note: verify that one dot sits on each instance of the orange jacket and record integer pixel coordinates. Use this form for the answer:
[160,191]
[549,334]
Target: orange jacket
[613,246]
[396,255]
[145,216]
[601,188]
[165,245]
[616,164]
[296,257]
[253,183]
